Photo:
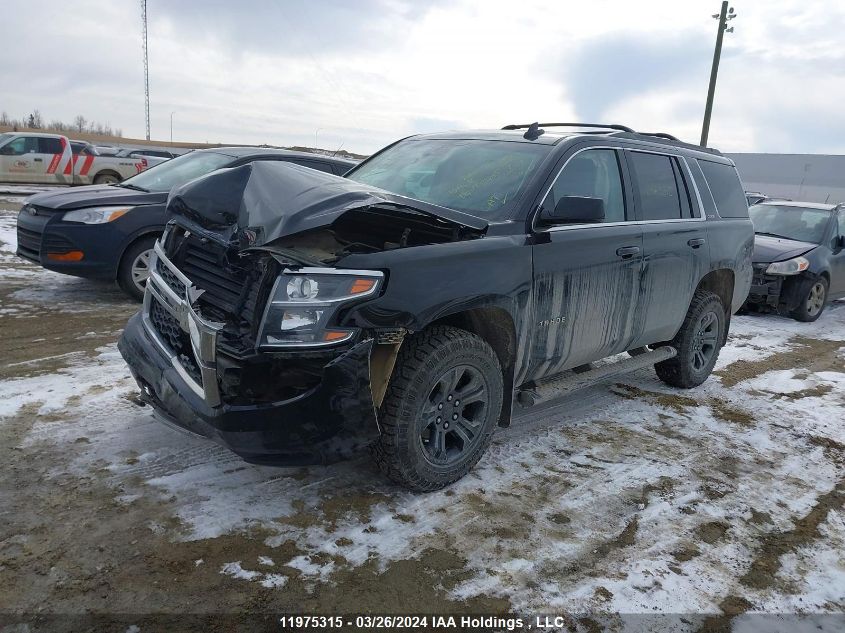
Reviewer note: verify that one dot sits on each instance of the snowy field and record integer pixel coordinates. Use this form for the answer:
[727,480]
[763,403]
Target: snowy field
[628,497]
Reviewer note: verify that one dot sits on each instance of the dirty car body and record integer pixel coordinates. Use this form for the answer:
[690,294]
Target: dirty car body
[796,245]
[280,297]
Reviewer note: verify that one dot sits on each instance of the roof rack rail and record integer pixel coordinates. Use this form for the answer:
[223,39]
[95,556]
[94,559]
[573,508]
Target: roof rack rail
[612,126]
[660,135]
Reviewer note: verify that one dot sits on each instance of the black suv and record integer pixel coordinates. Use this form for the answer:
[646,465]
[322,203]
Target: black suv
[298,317]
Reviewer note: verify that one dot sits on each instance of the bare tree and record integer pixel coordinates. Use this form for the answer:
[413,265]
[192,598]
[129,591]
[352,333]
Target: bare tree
[80,123]
[4,118]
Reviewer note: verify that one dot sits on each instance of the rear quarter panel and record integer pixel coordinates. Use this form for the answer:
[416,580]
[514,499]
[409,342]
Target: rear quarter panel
[731,247]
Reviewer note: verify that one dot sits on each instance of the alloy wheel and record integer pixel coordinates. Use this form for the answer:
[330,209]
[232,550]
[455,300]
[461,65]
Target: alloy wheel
[705,340]
[141,269]
[453,415]
[815,299]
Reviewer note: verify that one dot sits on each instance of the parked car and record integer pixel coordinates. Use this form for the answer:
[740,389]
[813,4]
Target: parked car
[53,159]
[108,232]
[152,156]
[297,317]
[799,257]
[755,197]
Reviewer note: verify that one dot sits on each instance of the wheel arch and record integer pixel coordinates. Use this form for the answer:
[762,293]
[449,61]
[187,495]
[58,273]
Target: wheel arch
[721,282]
[134,239]
[107,171]
[494,325]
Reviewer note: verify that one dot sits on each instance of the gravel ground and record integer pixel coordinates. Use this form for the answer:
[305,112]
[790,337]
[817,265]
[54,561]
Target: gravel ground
[628,497]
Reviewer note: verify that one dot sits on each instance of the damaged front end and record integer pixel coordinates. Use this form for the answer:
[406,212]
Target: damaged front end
[245,336]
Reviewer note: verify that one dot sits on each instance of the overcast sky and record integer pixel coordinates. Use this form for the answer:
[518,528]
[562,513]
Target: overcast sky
[362,73]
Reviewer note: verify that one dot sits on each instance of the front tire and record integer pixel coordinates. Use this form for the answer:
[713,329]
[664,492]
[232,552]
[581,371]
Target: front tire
[813,301]
[134,268]
[440,410]
[698,343]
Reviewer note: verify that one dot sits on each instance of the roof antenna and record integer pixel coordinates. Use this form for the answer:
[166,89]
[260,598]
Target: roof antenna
[533,132]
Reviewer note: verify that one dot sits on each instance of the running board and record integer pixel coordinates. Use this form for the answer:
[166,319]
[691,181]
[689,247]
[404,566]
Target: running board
[570,381]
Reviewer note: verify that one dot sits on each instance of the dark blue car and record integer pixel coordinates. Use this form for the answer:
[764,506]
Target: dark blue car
[108,232]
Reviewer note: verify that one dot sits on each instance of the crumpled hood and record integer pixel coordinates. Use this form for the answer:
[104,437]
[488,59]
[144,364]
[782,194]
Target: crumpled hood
[262,201]
[769,249]
[94,195]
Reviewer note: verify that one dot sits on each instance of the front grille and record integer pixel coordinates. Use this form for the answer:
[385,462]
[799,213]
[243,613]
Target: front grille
[205,265]
[178,340]
[29,243]
[170,279]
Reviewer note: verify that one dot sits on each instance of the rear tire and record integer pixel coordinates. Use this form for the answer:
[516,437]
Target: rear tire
[106,179]
[698,343]
[814,298]
[440,410]
[134,268]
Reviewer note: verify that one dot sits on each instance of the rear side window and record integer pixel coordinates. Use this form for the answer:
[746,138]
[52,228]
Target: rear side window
[49,146]
[726,189]
[657,188]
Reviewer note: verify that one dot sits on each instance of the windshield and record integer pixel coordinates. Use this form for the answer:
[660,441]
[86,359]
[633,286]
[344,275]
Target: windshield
[794,223]
[483,178]
[169,174]
[5,136]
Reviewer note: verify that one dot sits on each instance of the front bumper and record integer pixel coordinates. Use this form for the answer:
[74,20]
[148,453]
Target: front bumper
[333,420]
[42,233]
[779,292]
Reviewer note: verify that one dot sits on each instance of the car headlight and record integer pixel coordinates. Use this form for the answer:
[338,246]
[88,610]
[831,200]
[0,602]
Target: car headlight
[789,267]
[304,302]
[96,215]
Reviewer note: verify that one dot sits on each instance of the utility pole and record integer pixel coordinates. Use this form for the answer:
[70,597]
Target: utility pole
[171,127]
[146,67]
[724,15]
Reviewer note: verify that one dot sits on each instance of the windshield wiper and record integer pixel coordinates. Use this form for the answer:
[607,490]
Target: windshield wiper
[129,185]
[783,237]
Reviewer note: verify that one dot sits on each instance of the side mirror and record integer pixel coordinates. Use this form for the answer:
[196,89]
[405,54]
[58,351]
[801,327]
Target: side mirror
[574,210]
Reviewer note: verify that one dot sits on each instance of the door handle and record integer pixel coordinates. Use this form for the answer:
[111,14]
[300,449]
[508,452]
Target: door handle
[38,160]
[627,252]
[696,242]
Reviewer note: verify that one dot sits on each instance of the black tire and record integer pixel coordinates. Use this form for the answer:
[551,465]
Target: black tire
[698,343]
[813,300]
[106,178]
[422,388]
[126,272]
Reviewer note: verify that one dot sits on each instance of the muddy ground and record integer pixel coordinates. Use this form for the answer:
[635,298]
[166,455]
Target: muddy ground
[629,497]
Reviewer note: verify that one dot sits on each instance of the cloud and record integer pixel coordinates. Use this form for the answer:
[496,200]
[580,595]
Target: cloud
[611,69]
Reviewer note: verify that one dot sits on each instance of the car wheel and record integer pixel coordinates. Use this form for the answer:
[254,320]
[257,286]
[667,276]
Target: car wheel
[440,410]
[698,343]
[135,268]
[813,302]
[105,179]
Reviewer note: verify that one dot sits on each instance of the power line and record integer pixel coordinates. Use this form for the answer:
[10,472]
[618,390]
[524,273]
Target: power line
[146,67]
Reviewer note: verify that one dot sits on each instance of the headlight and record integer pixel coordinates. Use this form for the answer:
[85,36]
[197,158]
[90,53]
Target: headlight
[96,215]
[789,267]
[303,303]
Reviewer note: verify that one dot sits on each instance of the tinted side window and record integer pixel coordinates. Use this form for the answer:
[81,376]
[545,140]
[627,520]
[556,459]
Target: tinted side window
[703,188]
[726,189]
[49,146]
[657,189]
[593,173]
[21,145]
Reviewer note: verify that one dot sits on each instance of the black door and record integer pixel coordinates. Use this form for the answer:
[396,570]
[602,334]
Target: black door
[675,249]
[586,276]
